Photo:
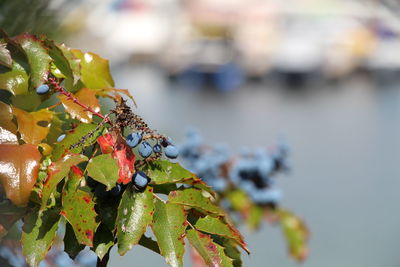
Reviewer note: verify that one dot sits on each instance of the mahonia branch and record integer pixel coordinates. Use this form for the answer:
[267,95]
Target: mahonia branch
[58,88]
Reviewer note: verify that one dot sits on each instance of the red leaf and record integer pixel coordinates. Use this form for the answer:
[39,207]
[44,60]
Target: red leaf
[114,143]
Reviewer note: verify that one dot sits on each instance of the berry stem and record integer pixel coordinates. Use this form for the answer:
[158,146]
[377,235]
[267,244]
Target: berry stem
[70,96]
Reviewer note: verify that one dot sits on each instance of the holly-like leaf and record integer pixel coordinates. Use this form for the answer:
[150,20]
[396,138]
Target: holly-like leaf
[55,129]
[6,117]
[222,228]
[15,80]
[115,144]
[19,168]
[33,126]
[103,241]
[8,129]
[38,233]
[104,169]
[149,243]
[73,61]
[212,253]
[57,171]
[116,93]
[197,199]
[71,244]
[296,233]
[38,58]
[73,137]
[135,213]
[255,216]
[29,101]
[230,249]
[169,224]
[78,208]
[164,171]
[61,63]
[95,71]
[5,55]
[239,200]
[86,96]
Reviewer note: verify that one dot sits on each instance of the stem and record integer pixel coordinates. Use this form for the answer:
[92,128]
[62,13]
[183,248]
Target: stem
[104,261]
[70,96]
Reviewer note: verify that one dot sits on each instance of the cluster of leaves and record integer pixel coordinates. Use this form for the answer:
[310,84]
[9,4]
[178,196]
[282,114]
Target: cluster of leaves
[246,186]
[48,182]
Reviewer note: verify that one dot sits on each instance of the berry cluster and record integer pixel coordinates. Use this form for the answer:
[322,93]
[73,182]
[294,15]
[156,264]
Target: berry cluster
[254,172]
[146,149]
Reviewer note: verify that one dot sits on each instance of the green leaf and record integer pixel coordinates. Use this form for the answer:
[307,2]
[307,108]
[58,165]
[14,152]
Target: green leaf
[164,172]
[195,198]
[135,213]
[219,227]
[108,210]
[38,58]
[104,169]
[239,200]
[149,243]
[55,129]
[95,71]
[212,253]
[15,80]
[296,234]
[71,244]
[169,224]
[73,61]
[78,208]
[57,171]
[38,234]
[103,241]
[28,101]
[74,136]
[254,219]
[8,129]
[62,64]
[230,249]
[5,55]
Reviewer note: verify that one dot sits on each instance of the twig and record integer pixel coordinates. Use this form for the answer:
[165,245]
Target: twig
[61,90]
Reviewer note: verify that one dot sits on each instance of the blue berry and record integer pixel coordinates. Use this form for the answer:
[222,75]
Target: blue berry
[157,148]
[60,138]
[133,139]
[171,152]
[140,180]
[116,190]
[145,149]
[42,89]
[165,142]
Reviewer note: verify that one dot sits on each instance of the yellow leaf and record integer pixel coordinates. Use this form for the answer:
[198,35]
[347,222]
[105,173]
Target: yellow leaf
[33,126]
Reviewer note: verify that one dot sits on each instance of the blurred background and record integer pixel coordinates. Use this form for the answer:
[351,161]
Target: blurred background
[324,73]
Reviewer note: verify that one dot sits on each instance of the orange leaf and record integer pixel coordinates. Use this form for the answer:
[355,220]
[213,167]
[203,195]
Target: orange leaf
[114,143]
[19,168]
[85,96]
[33,126]
[117,96]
